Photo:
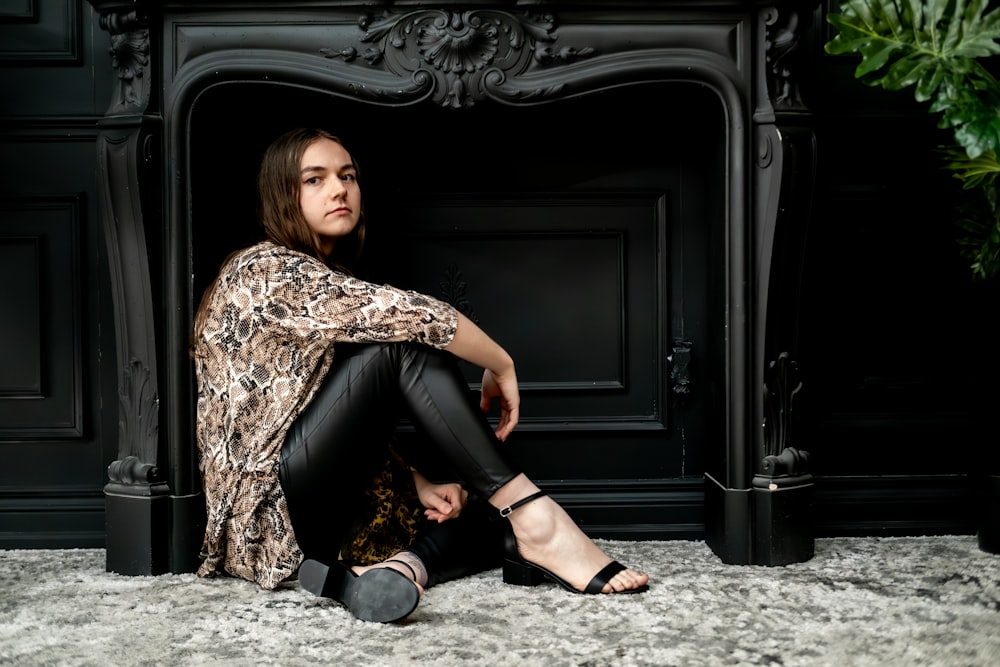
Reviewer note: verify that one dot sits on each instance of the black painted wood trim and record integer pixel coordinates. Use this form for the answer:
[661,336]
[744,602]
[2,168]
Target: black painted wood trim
[894,505]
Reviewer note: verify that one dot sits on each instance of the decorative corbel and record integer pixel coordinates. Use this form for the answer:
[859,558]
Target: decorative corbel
[129,51]
[784,27]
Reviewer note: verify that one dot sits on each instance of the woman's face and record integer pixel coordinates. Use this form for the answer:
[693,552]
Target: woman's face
[328,191]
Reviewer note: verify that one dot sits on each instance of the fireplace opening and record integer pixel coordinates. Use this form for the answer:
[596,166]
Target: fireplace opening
[588,235]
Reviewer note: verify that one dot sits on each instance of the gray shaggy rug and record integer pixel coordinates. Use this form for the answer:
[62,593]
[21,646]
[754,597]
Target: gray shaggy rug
[859,601]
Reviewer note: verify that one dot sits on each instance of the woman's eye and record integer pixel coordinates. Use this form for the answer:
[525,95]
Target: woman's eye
[312,181]
[349,177]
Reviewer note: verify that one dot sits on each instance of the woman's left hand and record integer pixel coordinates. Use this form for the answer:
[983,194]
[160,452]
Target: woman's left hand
[505,389]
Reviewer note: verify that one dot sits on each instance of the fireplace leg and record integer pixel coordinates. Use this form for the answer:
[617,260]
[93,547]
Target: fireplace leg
[136,528]
[768,524]
[727,522]
[768,521]
[154,519]
[782,520]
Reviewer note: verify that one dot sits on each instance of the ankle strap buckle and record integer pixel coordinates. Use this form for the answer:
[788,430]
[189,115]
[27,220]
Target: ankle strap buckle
[505,512]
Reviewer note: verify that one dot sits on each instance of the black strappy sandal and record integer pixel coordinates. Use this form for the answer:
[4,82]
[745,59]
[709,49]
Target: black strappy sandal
[380,595]
[521,572]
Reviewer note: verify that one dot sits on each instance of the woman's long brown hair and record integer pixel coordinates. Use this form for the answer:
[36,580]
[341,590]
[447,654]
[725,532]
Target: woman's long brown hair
[279,182]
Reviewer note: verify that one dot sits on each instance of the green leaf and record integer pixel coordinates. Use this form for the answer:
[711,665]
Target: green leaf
[979,223]
[875,54]
[929,82]
[973,172]
[932,45]
[906,72]
[935,46]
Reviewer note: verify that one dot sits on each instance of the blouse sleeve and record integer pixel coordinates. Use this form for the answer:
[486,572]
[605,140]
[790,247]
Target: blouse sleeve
[303,295]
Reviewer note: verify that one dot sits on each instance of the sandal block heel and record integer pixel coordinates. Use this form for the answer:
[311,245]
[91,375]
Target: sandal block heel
[521,574]
[380,595]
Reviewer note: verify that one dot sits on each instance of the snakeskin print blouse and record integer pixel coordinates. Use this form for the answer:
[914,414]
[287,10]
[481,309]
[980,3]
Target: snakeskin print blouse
[273,321]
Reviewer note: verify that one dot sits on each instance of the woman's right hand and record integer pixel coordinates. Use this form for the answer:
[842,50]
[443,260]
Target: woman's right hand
[442,501]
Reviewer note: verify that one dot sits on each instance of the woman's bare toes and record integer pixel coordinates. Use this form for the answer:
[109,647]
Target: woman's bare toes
[626,580]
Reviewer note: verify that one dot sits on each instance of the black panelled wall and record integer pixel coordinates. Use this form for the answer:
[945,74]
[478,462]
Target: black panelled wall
[893,353]
[58,390]
[899,361]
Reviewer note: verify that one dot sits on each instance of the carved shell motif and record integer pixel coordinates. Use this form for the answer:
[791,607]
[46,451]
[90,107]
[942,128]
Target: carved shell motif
[460,57]
[461,43]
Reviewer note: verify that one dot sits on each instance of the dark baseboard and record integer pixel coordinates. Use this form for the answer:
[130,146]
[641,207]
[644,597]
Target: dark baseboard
[842,506]
[672,509]
[894,506]
[48,519]
[663,509]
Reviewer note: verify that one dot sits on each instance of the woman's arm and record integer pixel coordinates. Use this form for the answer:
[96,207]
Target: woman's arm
[499,379]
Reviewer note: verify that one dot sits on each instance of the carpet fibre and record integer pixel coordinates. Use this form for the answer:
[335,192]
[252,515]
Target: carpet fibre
[859,601]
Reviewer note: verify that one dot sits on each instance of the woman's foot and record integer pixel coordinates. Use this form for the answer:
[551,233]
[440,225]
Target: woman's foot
[549,538]
[404,562]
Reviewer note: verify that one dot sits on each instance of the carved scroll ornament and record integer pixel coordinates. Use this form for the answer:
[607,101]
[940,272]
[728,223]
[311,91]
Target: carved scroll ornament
[139,414]
[780,388]
[461,56]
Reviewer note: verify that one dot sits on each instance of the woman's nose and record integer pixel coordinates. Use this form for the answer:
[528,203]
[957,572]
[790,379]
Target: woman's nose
[337,189]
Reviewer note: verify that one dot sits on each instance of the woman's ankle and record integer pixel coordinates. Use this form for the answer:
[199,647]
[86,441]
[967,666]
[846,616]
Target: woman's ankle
[516,489]
[410,564]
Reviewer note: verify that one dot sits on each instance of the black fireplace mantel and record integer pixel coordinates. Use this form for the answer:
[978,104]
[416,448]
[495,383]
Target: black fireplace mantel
[460,56]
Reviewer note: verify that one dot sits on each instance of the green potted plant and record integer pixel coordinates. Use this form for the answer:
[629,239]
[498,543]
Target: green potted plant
[940,49]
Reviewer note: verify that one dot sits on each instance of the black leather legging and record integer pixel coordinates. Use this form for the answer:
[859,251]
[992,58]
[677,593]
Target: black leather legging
[461,547]
[337,444]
